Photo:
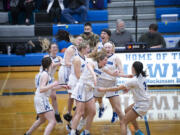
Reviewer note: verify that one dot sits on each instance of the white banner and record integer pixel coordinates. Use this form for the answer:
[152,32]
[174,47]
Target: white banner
[165,105]
[163,68]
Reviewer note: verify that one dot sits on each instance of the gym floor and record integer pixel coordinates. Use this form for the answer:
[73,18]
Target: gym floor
[17,111]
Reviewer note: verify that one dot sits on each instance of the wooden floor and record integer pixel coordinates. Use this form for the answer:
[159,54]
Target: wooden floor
[17,110]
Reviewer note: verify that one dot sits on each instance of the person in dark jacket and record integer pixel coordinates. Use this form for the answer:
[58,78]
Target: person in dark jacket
[14,7]
[54,9]
[74,7]
[29,7]
[153,38]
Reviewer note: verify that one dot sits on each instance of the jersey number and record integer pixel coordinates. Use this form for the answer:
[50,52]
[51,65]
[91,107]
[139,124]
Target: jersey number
[145,86]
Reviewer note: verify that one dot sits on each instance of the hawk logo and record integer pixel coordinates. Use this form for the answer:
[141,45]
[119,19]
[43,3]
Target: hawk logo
[79,97]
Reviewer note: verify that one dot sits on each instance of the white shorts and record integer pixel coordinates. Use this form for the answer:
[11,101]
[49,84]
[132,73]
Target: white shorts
[72,83]
[141,108]
[82,92]
[106,84]
[63,74]
[42,104]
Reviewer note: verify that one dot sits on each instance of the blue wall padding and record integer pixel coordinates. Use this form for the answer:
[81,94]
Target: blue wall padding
[32,59]
[170,27]
[76,29]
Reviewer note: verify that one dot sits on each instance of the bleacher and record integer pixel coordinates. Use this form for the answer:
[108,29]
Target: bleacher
[170,30]
[42,27]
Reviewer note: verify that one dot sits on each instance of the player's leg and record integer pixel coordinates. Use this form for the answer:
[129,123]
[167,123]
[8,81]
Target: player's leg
[134,122]
[55,106]
[77,116]
[51,122]
[91,112]
[130,116]
[36,124]
[68,115]
[115,103]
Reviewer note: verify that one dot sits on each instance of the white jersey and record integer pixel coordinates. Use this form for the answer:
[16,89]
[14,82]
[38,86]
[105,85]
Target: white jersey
[111,66]
[37,81]
[72,78]
[87,77]
[100,46]
[83,90]
[139,89]
[65,71]
[83,63]
[75,53]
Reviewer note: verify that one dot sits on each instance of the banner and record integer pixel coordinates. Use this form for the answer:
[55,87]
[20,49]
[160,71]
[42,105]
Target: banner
[163,68]
[165,105]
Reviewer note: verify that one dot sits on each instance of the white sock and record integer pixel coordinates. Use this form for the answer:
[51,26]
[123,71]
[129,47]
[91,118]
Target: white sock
[86,131]
[81,124]
[128,131]
[73,132]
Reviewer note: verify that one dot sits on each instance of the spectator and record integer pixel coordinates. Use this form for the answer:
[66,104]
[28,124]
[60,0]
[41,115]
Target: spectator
[14,7]
[54,9]
[121,36]
[74,7]
[89,36]
[29,7]
[87,4]
[6,5]
[97,4]
[62,40]
[153,38]
[41,4]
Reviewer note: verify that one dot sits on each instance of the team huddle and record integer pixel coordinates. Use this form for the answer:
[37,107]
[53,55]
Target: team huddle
[88,77]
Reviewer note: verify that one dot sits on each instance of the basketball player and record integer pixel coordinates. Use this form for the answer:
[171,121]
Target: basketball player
[65,71]
[105,36]
[142,102]
[56,62]
[78,64]
[113,63]
[83,92]
[45,86]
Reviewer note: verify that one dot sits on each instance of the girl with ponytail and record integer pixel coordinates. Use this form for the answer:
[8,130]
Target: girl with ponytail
[141,97]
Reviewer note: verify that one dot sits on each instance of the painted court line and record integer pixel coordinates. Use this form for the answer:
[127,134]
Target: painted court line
[65,92]
[147,125]
[4,84]
[27,93]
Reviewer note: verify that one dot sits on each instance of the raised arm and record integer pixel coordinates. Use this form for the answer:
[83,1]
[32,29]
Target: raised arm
[111,73]
[57,63]
[90,67]
[120,69]
[130,84]
[119,65]
[117,88]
